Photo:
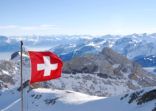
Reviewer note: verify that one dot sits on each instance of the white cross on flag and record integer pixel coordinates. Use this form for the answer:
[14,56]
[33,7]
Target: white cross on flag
[44,66]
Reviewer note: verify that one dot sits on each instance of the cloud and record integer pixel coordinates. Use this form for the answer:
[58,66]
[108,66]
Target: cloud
[115,27]
[39,27]
[35,27]
[27,29]
[8,26]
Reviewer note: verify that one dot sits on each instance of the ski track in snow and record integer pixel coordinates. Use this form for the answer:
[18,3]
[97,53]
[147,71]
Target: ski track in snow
[11,105]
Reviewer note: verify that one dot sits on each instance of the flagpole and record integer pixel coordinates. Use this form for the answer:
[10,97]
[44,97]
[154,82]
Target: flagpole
[21,78]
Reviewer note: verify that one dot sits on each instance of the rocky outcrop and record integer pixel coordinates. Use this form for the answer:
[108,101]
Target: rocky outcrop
[108,63]
[7,70]
[107,70]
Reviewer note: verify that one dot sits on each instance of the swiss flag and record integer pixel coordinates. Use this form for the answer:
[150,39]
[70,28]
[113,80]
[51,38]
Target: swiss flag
[44,66]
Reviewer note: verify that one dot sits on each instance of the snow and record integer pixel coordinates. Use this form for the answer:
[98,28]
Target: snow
[24,55]
[65,97]
[5,72]
[150,69]
[64,100]
[116,66]
[91,84]
[69,97]
[11,105]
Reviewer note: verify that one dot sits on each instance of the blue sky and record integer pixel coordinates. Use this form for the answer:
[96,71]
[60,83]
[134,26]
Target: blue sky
[94,17]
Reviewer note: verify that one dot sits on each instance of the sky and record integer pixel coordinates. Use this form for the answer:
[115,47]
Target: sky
[93,17]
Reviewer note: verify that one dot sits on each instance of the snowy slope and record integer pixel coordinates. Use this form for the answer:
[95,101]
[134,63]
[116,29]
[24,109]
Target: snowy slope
[63,100]
[39,99]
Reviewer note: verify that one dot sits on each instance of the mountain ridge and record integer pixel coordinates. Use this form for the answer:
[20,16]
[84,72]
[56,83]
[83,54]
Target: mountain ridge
[99,75]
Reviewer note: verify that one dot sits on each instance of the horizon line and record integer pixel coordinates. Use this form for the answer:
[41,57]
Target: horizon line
[91,35]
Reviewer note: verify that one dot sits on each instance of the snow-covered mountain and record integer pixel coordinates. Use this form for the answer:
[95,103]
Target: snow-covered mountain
[91,70]
[112,70]
[100,75]
[7,44]
[133,46]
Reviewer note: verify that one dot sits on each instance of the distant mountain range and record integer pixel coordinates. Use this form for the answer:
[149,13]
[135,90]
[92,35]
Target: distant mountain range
[7,44]
[137,47]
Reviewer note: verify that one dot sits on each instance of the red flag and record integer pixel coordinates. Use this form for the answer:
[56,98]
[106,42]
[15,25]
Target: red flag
[44,66]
